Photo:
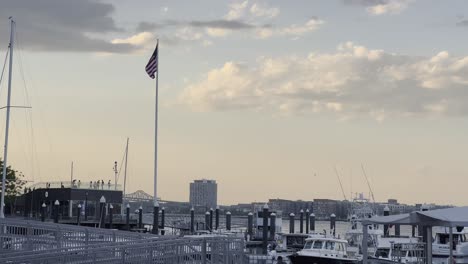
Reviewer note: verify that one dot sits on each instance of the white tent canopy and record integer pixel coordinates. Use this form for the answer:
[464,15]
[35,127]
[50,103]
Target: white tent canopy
[450,217]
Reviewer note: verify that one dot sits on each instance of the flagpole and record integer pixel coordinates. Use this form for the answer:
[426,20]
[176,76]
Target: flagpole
[155,197]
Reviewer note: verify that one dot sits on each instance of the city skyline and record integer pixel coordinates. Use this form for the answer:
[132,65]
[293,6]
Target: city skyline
[265,97]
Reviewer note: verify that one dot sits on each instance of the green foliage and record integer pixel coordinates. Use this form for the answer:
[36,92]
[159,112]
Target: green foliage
[14,183]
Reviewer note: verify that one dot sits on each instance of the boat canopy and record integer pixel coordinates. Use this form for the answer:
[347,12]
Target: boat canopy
[449,217]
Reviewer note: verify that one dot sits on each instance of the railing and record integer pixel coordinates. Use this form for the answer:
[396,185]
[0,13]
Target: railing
[77,185]
[19,235]
[35,242]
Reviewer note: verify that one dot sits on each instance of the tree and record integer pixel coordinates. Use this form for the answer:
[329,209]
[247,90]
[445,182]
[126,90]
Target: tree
[14,185]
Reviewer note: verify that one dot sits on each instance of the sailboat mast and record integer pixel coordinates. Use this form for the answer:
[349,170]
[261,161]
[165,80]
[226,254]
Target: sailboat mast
[7,125]
[125,171]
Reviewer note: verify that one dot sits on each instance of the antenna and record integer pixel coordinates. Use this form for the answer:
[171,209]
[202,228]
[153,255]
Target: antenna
[368,184]
[339,180]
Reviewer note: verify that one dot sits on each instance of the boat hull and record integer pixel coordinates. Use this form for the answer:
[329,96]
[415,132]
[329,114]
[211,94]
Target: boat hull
[297,259]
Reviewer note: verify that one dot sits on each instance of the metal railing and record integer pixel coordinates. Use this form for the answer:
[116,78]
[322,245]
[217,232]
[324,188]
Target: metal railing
[24,235]
[36,242]
[77,185]
[178,250]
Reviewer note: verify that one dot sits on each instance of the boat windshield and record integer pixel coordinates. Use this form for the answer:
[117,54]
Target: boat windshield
[318,244]
[308,244]
[457,238]
[382,253]
[330,245]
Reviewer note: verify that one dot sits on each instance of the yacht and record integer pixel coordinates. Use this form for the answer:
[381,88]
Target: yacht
[401,249]
[441,247]
[323,250]
[361,208]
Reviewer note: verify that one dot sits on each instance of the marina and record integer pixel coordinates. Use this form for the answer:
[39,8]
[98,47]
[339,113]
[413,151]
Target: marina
[211,189]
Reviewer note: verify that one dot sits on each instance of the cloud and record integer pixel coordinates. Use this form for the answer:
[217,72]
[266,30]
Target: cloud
[259,10]
[239,18]
[380,7]
[143,39]
[62,25]
[291,30]
[352,81]
[236,10]
[213,28]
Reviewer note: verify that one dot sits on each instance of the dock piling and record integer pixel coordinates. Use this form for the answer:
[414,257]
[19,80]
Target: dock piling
[312,222]
[228,221]
[333,223]
[163,223]
[111,215]
[291,223]
[301,221]
[192,220]
[272,226]
[250,226]
[207,221]
[211,219]
[155,230]
[56,209]
[102,212]
[127,218]
[217,218]
[307,215]
[265,229]
[78,214]
[43,212]
[386,212]
[140,218]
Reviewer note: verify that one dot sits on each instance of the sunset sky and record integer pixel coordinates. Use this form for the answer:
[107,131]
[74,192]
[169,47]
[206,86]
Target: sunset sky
[265,97]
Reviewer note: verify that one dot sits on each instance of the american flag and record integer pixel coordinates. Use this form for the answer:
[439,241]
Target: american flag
[152,66]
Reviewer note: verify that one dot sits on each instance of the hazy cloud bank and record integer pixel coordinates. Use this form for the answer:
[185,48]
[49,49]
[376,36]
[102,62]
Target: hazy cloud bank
[353,81]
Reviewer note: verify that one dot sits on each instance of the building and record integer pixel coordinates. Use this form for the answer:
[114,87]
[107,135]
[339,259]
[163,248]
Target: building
[68,196]
[204,194]
[323,208]
[289,206]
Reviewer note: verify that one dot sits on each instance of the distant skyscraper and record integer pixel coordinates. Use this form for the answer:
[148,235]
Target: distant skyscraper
[204,193]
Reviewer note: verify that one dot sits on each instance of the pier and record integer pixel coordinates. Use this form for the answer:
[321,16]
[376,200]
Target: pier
[24,241]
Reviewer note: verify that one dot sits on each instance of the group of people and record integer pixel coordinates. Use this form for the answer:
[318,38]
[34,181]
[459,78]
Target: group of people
[99,185]
[77,184]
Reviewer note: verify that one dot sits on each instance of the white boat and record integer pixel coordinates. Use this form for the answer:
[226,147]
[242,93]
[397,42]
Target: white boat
[441,245]
[361,208]
[354,236]
[323,250]
[400,249]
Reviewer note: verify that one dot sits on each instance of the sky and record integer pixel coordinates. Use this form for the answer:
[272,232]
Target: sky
[265,97]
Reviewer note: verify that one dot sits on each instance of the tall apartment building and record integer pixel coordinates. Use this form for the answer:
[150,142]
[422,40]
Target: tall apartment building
[204,194]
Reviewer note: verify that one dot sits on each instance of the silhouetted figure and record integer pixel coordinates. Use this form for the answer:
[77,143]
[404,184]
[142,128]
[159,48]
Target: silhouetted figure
[109,184]
[102,184]
[79,183]
[61,185]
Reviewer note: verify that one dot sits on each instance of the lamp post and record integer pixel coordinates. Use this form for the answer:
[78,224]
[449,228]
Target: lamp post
[43,212]
[56,217]
[86,208]
[78,215]
[46,194]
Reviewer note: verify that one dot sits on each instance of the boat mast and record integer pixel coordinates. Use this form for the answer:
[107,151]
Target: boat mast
[7,125]
[125,169]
